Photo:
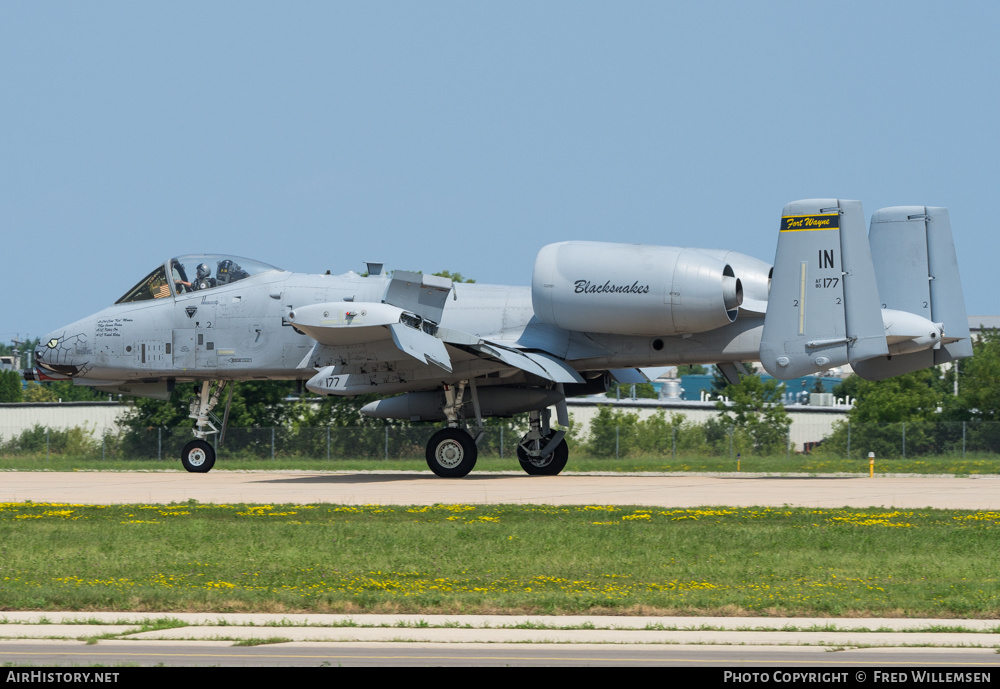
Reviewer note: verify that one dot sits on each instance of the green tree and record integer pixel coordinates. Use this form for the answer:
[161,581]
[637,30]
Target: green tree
[617,431]
[62,390]
[978,400]
[34,392]
[454,277]
[978,392]
[756,414]
[876,421]
[10,386]
[613,432]
[334,425]
[255,405]
[661,435]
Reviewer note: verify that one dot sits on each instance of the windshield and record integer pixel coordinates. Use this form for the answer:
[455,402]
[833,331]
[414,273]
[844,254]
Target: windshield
[195,272]
[153,286]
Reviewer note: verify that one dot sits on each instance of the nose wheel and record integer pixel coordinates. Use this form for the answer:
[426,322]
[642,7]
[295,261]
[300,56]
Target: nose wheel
[198,456]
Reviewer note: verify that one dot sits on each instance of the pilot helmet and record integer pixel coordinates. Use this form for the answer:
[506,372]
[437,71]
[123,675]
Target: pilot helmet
[203,270]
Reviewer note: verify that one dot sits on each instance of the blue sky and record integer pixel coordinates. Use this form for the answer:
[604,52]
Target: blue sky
[466,135]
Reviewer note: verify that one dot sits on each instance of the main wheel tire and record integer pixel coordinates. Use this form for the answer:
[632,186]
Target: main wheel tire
[198,456]
[451,453]
[550,465]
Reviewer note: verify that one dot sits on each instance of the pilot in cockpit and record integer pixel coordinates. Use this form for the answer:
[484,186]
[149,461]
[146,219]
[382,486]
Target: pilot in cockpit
[205,279]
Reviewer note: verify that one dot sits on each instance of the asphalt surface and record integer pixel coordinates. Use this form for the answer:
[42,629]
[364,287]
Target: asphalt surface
[423,488]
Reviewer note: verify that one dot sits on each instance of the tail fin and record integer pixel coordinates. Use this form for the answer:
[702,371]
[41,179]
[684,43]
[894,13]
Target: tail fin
[917,273]
[887,308]
[823,308]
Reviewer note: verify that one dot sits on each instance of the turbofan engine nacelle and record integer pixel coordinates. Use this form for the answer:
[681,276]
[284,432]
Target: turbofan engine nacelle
[633,289]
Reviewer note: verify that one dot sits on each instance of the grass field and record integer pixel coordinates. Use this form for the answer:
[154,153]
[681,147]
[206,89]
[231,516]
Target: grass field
[494,559]
[954,466]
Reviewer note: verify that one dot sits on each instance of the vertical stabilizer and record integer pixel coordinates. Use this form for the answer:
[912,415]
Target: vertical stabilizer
[914,254]
[823,308]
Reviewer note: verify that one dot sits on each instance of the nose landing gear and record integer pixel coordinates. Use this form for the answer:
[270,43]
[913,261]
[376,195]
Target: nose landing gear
[198,456]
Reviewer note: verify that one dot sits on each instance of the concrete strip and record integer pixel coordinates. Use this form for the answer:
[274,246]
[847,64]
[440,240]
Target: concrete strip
[62,631]
[499,629]
[276,622]
[579,636]
[424,489]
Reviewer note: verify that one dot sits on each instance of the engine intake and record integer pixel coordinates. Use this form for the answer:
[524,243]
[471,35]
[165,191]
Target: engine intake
[633,289]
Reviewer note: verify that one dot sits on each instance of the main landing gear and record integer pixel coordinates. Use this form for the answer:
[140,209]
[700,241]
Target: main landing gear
[452,452]
[543,451]
[198,456]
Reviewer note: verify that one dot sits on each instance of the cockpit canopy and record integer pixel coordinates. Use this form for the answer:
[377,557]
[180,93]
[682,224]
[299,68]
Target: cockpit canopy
[193,273]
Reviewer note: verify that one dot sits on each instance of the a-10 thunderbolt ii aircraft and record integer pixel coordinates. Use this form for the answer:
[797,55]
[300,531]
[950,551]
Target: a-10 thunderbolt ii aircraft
[886,304]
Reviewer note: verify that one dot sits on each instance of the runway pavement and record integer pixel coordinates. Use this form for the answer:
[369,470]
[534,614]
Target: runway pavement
[415,488]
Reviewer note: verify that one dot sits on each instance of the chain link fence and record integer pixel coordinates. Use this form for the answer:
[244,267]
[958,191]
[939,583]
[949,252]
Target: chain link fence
[850,441]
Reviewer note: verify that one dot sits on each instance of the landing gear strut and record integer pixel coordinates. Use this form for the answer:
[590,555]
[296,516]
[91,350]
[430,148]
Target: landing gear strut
[452,452]
[198,456]
[543,450]
[543,465]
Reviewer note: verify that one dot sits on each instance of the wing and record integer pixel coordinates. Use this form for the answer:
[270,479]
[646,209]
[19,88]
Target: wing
[364,347]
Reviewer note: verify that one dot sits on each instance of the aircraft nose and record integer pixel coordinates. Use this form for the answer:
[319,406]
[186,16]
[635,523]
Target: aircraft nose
[57,353]
[40,351]
[46,349]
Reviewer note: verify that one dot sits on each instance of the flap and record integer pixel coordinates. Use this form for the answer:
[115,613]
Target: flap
[424,348]
[558,370]
[424,295]
[514,358]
